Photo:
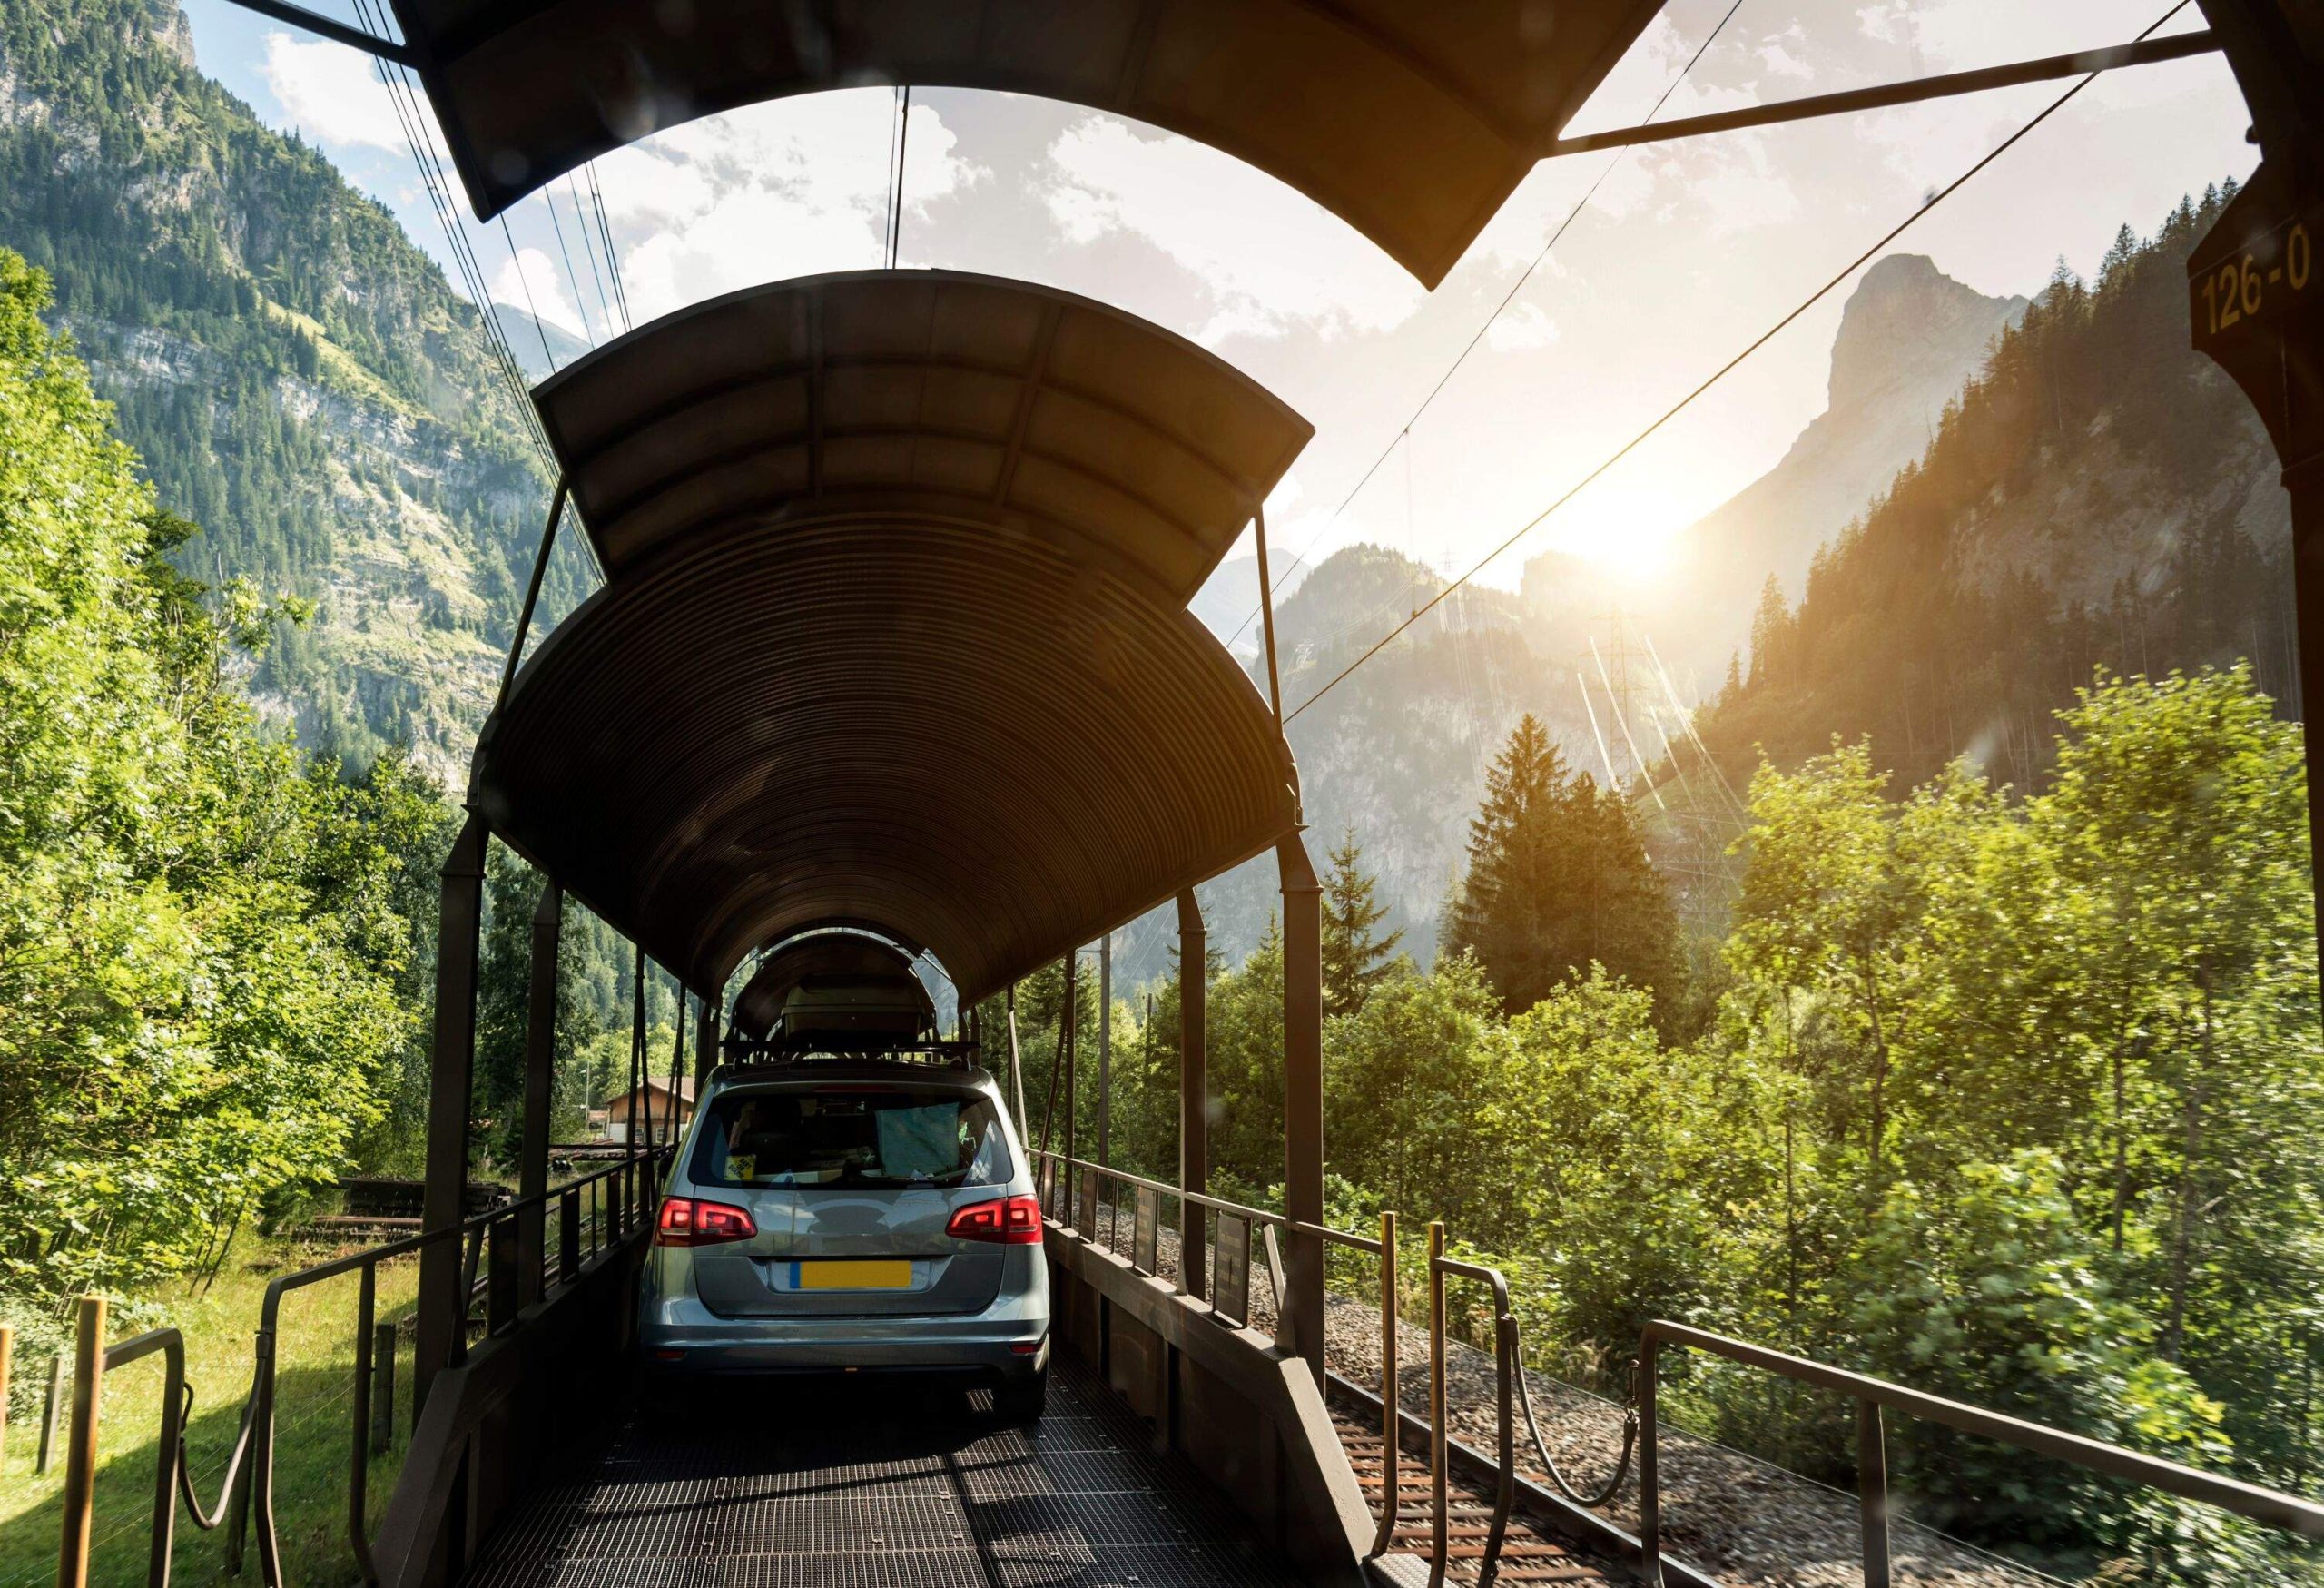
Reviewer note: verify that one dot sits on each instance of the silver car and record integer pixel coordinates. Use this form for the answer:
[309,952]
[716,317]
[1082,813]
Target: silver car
[840,1215]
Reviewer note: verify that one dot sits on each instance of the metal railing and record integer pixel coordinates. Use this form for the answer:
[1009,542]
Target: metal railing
[1229,1267]
[1097,1219]
[2286,1513]
[595,1213]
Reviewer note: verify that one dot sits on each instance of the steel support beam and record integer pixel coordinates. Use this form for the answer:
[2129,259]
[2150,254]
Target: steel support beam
[1106,1049]
[706,1046]
[1299,1329]
[2256,303]
[1194,1092]
[338,32]
[1016,1068]
[540,1089]
[441,1324]
[2082,63]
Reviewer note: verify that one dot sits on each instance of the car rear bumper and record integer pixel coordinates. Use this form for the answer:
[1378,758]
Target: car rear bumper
[971,1361]
[678,1335]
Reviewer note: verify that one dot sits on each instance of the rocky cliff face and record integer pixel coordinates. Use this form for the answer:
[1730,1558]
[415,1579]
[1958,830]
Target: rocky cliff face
[1909,338]
[299,380]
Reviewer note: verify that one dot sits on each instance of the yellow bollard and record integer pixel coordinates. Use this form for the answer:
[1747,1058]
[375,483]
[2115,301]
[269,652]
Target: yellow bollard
[81,1452]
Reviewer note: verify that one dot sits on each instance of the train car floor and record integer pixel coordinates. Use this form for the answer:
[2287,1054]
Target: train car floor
[857,1484]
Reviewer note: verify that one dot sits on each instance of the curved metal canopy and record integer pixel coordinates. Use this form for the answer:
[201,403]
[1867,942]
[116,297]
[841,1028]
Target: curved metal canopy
[971,716]
[986,746]
[1412,122]
[848,985]
[1034,410]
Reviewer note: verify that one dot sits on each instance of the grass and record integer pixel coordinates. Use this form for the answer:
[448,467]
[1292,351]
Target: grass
[314,1434]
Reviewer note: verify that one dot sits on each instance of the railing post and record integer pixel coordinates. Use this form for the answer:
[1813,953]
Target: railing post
[166,1461]
[7,1354]
[1649,1466]
[1391,1409]
[452,1063]
[569,1238]
[55,1398]
[261,1479]
[358,1466]
[1193,1100]
[1439,1523]
[1299,1327]
[383,1392]
[1872,1491]
[540,1085]
[501,1277]
[80,1454]
[1505,1368]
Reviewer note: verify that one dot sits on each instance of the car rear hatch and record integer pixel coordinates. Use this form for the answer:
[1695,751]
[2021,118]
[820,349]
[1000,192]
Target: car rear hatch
[851,1186]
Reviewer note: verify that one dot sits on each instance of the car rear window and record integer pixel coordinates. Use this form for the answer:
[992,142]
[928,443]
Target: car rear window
[884,1136]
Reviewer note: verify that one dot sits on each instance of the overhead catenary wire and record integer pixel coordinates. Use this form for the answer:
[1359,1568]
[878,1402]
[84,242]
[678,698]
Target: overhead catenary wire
[896,200]
[1686,401]
[589,250]
[1403,434]
[540,326]
[421,144]
[613,260]
[548,196]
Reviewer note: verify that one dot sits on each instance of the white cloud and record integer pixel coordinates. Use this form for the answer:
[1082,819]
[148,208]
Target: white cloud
[1524,327]
[330,93]
[1269,258]
[789,188]
[530,282]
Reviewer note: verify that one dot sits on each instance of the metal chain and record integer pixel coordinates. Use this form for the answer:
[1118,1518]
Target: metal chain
[1541,1447]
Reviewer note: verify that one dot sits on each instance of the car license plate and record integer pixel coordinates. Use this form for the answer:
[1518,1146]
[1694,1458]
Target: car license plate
[874,1274]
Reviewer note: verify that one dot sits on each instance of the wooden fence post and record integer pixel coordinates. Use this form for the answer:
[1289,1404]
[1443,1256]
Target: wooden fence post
[81,1454]
[7,1352]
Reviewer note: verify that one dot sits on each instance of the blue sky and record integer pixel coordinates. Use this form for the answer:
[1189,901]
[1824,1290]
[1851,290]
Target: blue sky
[1685,254]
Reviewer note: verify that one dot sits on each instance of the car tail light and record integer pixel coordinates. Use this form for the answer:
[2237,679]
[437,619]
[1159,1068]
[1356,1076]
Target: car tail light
[689,1221]
[1008,1220]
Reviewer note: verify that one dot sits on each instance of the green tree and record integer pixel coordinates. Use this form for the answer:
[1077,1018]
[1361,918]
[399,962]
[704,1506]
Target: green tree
[197,935]
[1558,881]
[1356,959]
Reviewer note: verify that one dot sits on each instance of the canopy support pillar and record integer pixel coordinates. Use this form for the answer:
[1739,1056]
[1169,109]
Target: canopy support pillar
[1106,1049]
[705,1047]
[1194,1092]
[442,1323]
[1300,1328]
[1016,1066]
[540,1086]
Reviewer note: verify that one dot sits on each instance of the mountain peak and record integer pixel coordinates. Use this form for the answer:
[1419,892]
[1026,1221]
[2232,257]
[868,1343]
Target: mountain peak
[1908,318]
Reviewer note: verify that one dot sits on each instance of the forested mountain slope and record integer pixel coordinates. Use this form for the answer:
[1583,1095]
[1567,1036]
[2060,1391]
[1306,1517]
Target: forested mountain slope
[2098,497]
[299,378]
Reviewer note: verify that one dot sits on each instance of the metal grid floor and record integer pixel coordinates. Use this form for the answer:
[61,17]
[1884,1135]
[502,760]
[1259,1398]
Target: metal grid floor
[785,1483]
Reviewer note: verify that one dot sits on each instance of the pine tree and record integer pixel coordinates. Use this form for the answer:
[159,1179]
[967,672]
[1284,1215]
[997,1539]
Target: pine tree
[1558,880]
[1354,960]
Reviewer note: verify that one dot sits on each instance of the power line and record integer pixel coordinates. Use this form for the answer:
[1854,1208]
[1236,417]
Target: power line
[903,151]
[1403,435]
[590,248]
[548,196]
[613,260]
[1674,410]
[421,146]
[540,327]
